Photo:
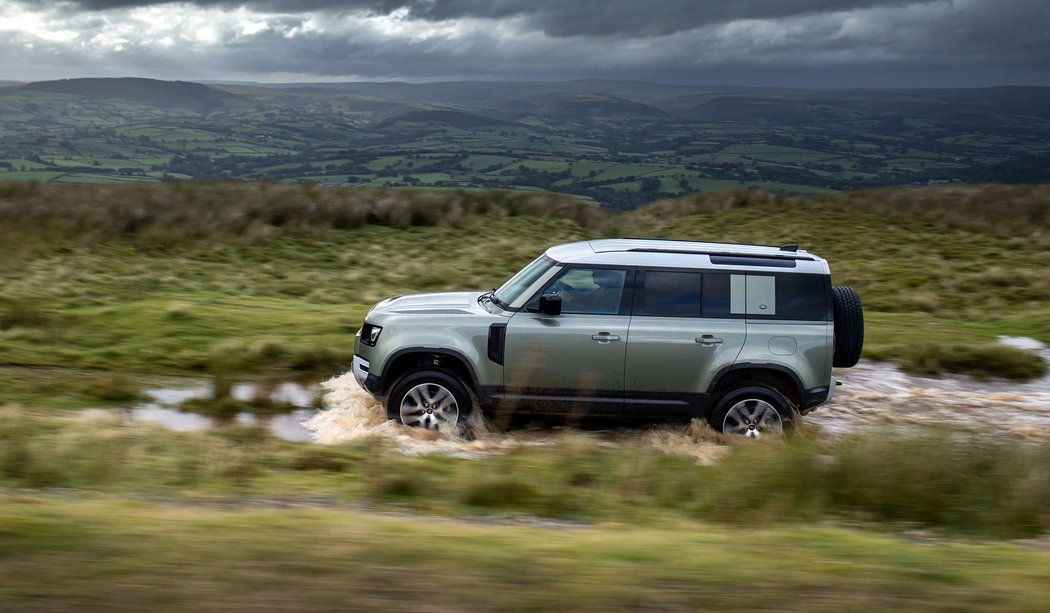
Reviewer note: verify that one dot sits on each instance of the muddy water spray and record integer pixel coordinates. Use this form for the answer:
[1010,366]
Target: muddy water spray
[874,394]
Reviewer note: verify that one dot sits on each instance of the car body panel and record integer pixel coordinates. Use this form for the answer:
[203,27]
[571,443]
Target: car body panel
[572,358]
[672,360]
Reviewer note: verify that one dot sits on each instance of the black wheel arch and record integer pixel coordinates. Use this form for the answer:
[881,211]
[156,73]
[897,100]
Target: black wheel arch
[407,359]
[779,377]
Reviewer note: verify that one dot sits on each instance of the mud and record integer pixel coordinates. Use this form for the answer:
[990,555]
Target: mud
[873,394]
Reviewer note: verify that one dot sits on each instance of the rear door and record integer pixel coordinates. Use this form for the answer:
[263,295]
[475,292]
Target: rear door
[682,332]
[574,362]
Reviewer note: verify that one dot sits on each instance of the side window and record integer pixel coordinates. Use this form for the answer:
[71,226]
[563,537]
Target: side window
[594,291]
[716,296]
[669,294]
[799,297]
[802,297]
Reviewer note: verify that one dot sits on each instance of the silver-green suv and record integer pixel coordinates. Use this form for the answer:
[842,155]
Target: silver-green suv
[742,335]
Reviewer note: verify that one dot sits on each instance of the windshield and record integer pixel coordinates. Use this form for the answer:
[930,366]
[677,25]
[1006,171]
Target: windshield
[520,287]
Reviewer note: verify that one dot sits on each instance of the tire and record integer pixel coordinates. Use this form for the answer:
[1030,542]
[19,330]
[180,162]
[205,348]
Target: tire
[752,410]
[849,326]
[431,399]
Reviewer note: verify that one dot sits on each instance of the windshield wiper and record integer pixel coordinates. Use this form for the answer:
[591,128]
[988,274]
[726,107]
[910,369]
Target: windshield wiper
[491,295]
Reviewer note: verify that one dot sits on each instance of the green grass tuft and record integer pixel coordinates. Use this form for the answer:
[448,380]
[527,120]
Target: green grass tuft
[976,360]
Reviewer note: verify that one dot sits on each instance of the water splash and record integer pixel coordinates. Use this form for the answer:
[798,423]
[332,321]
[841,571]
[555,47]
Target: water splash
[874,394]
[353,414]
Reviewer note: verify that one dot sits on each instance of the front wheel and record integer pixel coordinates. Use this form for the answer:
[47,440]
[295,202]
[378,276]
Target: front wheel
[431,399]
[753,410]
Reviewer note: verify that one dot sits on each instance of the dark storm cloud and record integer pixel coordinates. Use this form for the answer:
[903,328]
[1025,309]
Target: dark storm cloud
[808,43]
[552,17]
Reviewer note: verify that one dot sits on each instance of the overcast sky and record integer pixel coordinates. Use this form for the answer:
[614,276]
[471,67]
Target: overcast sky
[805,43]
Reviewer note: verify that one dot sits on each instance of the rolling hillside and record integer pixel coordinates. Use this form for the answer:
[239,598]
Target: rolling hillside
[619,144]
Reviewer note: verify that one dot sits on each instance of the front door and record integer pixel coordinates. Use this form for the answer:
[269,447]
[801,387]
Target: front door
[573,363]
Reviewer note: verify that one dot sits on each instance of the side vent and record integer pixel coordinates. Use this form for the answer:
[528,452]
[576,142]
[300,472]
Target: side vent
[497,342]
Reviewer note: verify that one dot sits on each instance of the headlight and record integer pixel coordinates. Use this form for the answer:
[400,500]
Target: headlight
[370,334]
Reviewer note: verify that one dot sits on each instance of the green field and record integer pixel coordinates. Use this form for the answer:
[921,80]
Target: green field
[110,289]
[243,259]
[797,142]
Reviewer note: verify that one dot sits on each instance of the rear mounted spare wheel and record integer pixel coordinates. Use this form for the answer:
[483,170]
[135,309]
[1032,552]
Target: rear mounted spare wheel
[849,326]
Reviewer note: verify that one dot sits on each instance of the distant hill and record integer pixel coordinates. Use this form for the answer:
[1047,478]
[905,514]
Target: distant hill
[583,108]
[169,94]
[456,119]
[752,109]
[617,143]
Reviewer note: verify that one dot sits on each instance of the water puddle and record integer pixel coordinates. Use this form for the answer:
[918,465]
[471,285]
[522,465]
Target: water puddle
[873,394]
[162,409]
[879,393]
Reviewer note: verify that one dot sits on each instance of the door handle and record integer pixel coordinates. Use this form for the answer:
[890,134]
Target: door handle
[605,337]
[708,340]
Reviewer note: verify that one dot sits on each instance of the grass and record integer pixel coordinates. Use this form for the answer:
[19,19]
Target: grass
[159,278]
[963,484]
[977,360]
[130,556]
[129,283]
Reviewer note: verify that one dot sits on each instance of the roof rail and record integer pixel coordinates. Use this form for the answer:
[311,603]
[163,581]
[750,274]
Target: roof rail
[682,240]
[746,254]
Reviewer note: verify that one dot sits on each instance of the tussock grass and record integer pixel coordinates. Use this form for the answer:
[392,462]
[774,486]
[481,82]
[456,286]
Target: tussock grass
[157,217]
[959,483]
[981,360]
[1006,210]
[22,312]
[131,556]
[161,278]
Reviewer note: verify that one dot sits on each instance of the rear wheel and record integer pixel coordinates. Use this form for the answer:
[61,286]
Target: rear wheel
[752,410]
[431,399]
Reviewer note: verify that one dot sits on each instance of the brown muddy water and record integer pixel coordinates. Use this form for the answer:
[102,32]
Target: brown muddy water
[878,394]
[873,395]
[162,408]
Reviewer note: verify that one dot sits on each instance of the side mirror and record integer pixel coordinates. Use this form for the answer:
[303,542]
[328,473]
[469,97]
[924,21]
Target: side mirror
[550,304]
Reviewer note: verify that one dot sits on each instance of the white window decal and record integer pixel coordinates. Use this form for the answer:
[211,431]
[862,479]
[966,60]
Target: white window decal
[736,295]
[761,295]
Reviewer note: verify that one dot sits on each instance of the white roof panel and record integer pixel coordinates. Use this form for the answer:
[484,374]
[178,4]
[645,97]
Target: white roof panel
[679,254]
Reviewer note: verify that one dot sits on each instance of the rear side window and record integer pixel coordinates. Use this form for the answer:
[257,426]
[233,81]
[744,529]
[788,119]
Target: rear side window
[796,297]
[802,297]
[669,294]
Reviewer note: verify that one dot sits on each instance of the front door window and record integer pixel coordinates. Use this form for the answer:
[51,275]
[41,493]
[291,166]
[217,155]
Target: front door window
[590,291]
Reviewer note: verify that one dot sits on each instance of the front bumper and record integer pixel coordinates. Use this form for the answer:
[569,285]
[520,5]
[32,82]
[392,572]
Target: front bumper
[367,380]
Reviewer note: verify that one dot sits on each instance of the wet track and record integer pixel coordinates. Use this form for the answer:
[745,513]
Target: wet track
[877,393]
[873,394]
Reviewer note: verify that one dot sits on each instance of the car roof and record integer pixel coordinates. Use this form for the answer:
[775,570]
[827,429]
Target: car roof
[688,254]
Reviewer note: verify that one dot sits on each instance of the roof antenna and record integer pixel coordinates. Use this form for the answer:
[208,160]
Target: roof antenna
[792,248]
